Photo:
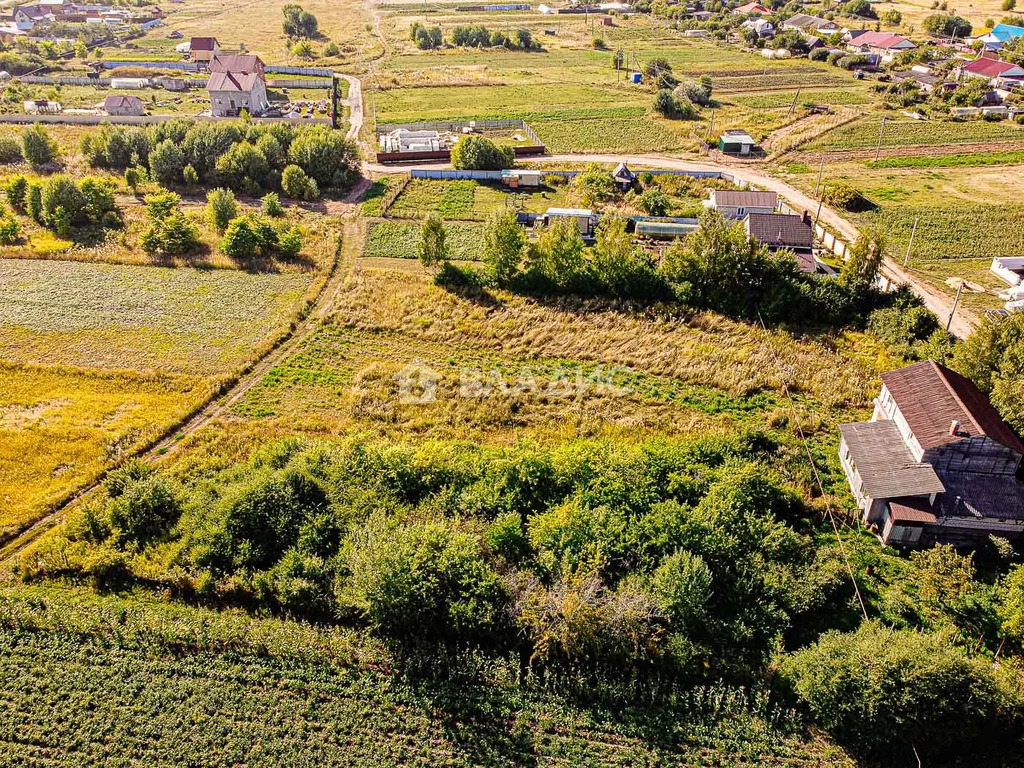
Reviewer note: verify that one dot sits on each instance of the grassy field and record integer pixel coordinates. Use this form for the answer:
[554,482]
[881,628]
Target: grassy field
[62,427]
[400,240]
[863,134]
[180,320]
[174,681]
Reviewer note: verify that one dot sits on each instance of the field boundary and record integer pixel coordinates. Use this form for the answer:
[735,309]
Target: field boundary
[224,390]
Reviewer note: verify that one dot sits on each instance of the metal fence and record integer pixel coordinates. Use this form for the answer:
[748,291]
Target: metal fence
[278,83]
[439,174]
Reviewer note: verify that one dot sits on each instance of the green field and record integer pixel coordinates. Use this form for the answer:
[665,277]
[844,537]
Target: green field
[863,134]
[112,316]
[977,159]
[90,681]
[400,240]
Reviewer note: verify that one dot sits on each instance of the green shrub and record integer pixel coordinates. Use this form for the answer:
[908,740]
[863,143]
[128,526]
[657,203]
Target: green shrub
[477,153]
[10,151]
[10,230]
[877,689]
[271,205]
[37,146]
[167,162]
[295,183]
[15,190]
[61,192]
[290,243]
[34,201]
[249,236]
[221,208]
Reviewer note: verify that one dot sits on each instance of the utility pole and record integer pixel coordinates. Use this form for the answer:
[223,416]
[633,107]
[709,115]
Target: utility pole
[793,105]
[906,259]
[821,169]
[956,302]
[881,131]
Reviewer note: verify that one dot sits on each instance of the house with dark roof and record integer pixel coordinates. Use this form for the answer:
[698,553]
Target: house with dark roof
[935,463]
[736,204]
[231,92]
[203,49]
[784,231]
[121,104]
[238,62]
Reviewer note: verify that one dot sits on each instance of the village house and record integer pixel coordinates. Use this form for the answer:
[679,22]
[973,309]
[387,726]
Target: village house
[203,49]
[999,74]
[811,25]
[749,8]
[784,231]
[231,92]
[762,27]
[1000,35]
[736,204]
[883,44]
[936,463]
[123,105]
[244,63]
[27,16]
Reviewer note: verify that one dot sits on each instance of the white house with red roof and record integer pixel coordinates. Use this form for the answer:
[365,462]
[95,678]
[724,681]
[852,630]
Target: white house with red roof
[884,44]
[1000,74]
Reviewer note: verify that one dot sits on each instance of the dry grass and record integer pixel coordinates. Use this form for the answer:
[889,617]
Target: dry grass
[703,350]
[61,427]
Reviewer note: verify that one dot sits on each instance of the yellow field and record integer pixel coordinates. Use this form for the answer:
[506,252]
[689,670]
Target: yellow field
[257,24]
[59,427]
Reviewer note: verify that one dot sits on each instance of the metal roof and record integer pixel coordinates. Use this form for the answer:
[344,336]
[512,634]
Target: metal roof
[780,230]
[569,212]
[885,464]
[744,198]
[931,397]
[910,509]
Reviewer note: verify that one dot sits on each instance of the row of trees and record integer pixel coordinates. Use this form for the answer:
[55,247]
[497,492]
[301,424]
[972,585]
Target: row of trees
[61,203]
[299,160]
[475,36]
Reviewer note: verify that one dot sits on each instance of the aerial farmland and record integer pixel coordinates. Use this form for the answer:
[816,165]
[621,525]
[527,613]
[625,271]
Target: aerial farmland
[441,383]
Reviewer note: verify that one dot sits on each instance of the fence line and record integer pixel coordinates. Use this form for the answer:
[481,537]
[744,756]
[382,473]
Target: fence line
[62,119]
[456,126]
[442,173]
[276,83]
[393,193]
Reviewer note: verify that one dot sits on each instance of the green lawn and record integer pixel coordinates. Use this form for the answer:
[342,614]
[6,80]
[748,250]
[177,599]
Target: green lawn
[400,240]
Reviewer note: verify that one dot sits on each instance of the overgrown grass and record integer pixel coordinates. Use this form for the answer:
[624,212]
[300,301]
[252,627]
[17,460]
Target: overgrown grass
[61,427]
[950,161]
[175,681]
[863,134]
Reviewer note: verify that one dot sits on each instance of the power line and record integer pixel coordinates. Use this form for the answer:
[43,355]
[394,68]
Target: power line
[817,480]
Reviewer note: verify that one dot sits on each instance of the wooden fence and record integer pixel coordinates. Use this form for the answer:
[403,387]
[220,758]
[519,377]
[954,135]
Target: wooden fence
[393,192]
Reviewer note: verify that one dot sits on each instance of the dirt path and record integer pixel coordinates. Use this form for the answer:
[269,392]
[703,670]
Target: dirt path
[942,305]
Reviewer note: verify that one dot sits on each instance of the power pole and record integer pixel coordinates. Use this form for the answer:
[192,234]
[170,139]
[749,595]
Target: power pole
[793,105]
[956,302]
[906,259]
[821,169]
[881,131]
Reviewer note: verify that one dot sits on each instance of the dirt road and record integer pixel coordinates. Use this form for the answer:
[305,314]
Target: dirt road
[964,321]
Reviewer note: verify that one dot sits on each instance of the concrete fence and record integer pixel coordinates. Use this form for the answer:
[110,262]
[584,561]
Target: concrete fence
[101,82]
[184,66]
[62,119]
[279,83]
[442,173]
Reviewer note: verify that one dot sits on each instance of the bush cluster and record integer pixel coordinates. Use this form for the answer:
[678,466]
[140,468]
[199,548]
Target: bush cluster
[243,156]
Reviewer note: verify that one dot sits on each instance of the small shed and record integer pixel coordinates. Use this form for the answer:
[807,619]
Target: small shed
[121,104]
[623,177]
[515,179]
[736,142]
[584,218]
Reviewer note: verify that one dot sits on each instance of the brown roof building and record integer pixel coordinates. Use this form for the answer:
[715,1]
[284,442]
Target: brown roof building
[787,231]
[935,463]
[238,62]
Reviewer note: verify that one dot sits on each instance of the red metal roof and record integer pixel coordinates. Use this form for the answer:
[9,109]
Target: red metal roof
[931,397]
[987,67]
[884,40]
[203,43]
[910,509]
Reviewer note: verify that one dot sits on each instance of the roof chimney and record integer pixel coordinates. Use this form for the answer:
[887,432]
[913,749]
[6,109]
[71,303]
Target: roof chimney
[806,217]
[954,427]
